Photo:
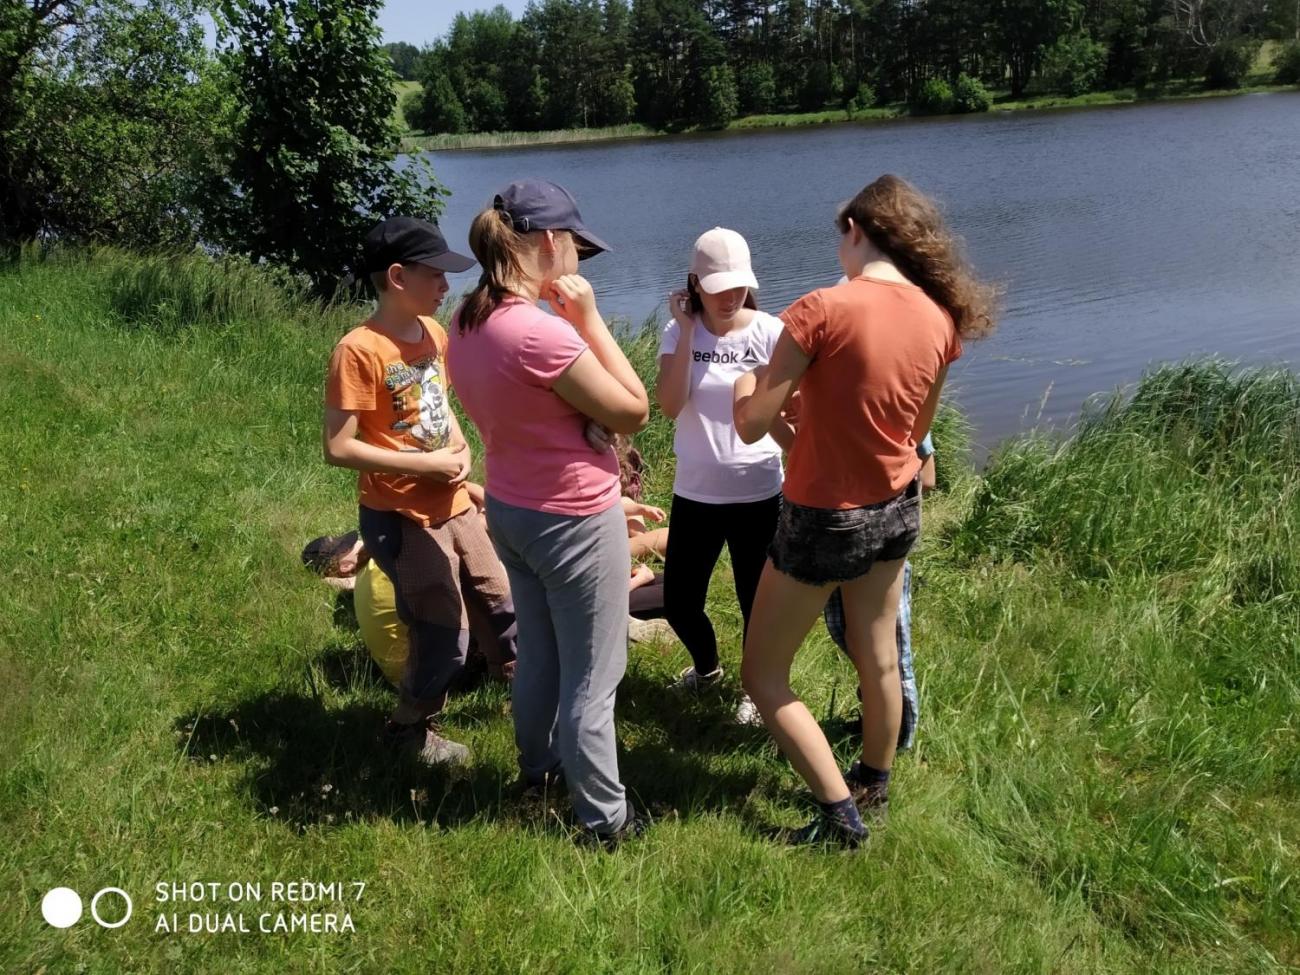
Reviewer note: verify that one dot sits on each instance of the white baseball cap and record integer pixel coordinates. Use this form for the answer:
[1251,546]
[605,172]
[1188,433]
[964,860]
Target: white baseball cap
[721,262]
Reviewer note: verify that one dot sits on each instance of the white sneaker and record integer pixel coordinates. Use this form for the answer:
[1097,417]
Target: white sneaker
[747,713]
[692,680]
[648,631]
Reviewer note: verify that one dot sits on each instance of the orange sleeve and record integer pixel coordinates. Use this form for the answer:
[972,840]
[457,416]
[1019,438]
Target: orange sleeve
[351,382]
[953,352]
[805,320]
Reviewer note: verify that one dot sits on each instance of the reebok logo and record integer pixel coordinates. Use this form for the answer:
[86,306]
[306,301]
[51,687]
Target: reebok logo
[726,358]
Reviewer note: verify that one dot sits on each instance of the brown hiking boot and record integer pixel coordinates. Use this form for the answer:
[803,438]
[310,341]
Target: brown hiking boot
[422,741]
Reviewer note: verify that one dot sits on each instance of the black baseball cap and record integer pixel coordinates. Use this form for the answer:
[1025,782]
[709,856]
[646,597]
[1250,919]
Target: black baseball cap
[409,240]
[539,204]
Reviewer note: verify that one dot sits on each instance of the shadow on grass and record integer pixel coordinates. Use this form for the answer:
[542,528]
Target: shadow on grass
[347,667]
[309,764]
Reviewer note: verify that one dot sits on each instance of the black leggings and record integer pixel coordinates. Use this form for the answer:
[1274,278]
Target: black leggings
[647,602]
[695,538]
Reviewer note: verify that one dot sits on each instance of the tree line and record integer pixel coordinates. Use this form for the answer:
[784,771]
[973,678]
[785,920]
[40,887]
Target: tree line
[119,125]
[672,63]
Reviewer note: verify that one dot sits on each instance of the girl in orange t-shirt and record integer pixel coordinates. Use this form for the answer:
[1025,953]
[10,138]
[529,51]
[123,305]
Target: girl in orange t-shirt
[868,358]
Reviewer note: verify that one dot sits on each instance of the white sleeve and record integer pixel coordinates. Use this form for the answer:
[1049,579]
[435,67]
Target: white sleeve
[668,338]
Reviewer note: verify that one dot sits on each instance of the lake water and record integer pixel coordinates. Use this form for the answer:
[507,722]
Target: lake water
[1124,237]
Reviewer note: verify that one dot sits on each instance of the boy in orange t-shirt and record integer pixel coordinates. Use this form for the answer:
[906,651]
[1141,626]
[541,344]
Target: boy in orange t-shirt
[388,417]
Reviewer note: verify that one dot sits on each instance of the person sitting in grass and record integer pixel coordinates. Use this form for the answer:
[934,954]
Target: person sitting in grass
[644,541]
[387,416]
[726,492]
[869,360]
[646,599]
[343,563]
[833,615]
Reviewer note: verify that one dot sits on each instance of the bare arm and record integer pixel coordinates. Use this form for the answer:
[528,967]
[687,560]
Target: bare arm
[477,495]
[590,389]
[636,509]
[342,449]
[925,418]
[673,384]
[927,474]
[783,433]
[600,383]
[457,435]
[759,396]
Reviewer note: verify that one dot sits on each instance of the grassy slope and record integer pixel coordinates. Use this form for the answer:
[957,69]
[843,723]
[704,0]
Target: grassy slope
[1105,781]
[403,88]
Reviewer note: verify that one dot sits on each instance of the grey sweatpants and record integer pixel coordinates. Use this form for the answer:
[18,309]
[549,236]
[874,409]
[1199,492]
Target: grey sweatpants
[568,575]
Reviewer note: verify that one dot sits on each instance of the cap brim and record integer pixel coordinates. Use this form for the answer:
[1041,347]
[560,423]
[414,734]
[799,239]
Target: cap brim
[592,245]
[451,262]
[726,280]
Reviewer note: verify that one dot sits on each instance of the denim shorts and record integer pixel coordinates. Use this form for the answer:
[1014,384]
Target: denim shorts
[823,545]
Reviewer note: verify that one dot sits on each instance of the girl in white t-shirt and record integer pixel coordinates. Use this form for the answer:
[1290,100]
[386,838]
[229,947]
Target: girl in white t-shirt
[726,491]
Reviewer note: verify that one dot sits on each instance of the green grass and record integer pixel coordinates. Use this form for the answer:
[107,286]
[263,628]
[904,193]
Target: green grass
[510,140]
[1105,780]
[403,88]
[781,120]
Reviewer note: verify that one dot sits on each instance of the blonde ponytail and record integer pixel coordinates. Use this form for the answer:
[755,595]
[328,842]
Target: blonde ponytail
[499,249]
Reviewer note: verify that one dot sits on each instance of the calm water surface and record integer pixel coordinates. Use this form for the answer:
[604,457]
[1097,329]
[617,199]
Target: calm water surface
[1124,237]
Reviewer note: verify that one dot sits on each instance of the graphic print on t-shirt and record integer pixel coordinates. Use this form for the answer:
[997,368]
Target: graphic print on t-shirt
[713,465]
[420,401]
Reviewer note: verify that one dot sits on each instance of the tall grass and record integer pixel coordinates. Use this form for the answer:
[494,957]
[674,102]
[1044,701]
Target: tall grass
[1105,779]
[511,140]
[1197,476]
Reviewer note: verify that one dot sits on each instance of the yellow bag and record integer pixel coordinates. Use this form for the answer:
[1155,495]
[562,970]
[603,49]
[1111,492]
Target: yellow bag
[385,636]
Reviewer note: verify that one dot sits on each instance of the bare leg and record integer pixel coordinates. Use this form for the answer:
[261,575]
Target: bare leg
[784,611]
[870,613]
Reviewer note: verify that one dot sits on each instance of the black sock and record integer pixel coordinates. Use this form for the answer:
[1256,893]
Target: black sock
[872,778]
[844,814]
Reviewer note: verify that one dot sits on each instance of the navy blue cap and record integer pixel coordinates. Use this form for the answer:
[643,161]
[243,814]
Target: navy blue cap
[409,240]
[539,204]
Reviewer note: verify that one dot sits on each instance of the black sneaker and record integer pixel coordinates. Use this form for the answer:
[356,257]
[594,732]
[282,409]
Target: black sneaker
[422,741]
[537,790]
[825,832]
[871,799]
[635,825]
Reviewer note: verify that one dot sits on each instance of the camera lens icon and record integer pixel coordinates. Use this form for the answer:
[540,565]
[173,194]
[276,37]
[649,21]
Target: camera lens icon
[94,907]
[62,907]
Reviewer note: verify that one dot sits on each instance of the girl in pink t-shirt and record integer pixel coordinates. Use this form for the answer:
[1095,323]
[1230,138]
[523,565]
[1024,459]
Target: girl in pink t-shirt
[532,381]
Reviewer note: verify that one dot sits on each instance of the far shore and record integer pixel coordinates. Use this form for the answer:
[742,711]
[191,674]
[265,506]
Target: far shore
[515,140]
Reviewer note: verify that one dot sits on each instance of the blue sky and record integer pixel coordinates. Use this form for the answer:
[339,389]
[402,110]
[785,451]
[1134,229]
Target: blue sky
[420,21]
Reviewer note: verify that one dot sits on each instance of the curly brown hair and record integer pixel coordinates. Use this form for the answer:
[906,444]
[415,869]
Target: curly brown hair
[630,466]
[907,227]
